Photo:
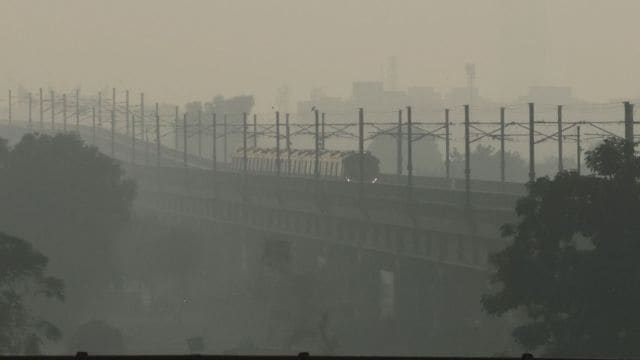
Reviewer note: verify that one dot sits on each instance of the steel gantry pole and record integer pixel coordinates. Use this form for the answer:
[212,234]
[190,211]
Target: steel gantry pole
[78,111]
[93,125]
[113,121]
[467,156]
[532,151]
[399,145]
[316,163]
[361,151]
[157,136]
[41,111]
[288,139]
[64,112]
[225,135]
[278,143]
[560,135]
[628,129]
[447,145]
[214,148]
[578,150]
[143,130]
[244,143]
[100,108]
[176,131]
[502,159]
[113,133]
[322,130]
[133,138]
[126,109]
[255,130]
[30,119]
[53,112]
[10,109]
[409,154]
[200,133]
[184,142]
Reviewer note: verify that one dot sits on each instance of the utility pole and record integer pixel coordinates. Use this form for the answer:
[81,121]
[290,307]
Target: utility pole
[93,125]
[560,155]
[41,111]
[214,149]
[9,106]
[53,112]
[447,145]
[184,140]
[316,163]
[100,108]
[467,156]
[628,129]
[399,145]
[126,109]
[30,120]
[288,138]
[255,130]
[225,137]
[409,155]
[133,138]
[64,112]
[200,133]
[322,129]
[578,149]
[502,160]
[78,111]
[532,154]
[143,130]
[361,150]
[176,131]
[113,107]
[278,143]
[113,133]
[244,143]
[157,136]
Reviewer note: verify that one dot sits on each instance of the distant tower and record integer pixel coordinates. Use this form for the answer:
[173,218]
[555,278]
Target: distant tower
[470,69]
[392,75]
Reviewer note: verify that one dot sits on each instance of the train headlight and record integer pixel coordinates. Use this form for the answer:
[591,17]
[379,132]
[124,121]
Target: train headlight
[375,180]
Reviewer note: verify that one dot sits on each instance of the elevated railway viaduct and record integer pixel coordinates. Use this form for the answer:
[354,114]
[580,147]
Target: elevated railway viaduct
[412,264]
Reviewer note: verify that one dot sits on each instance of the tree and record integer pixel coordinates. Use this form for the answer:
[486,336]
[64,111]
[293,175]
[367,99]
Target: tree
[70,201]
[22,278]
[572,266]
[485,164]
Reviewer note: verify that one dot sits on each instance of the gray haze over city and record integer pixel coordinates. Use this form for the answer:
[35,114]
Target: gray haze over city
[280,177]
[179,51]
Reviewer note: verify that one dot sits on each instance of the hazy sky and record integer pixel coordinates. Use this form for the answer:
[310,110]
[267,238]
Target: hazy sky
[182,50]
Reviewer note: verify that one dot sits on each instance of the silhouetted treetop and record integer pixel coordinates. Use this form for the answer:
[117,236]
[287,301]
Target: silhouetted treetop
[572,267]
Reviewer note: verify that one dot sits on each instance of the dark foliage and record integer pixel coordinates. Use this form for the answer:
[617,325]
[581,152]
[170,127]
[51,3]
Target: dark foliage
[69,200]
[22,278]
[572,266]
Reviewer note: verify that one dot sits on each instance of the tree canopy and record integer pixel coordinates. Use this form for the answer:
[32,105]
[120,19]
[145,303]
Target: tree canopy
[69,200]
[22,278]
[572,266]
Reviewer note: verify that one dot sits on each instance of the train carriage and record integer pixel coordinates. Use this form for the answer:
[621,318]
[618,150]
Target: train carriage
[335,164]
